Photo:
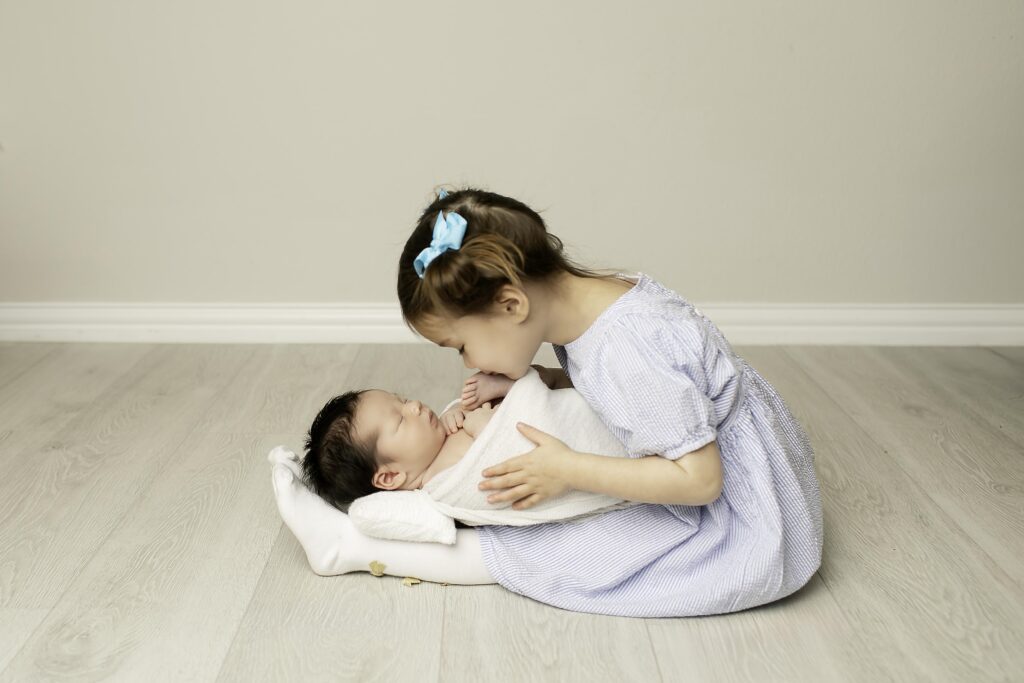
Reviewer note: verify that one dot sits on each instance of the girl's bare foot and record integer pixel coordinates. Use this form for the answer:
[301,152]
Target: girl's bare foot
[483,387]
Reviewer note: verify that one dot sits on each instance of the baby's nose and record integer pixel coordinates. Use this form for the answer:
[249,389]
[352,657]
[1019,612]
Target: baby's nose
[416,406]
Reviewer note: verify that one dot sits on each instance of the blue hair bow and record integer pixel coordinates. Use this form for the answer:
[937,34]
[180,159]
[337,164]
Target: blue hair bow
[448,233]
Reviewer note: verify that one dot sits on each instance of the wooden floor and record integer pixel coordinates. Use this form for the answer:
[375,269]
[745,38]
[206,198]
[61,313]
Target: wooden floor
[139,539]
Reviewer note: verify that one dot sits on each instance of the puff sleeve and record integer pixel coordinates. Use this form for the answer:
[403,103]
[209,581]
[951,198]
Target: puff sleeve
[652,386]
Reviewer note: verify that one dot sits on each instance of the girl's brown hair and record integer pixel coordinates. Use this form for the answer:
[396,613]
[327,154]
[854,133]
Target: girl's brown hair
[506,243]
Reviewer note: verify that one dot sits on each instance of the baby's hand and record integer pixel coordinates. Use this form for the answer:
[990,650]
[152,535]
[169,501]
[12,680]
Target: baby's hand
[482,387]
[478,419]
[452,419]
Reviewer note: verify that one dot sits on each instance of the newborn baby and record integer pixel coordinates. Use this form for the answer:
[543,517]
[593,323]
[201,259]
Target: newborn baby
[366,443]
[370,440]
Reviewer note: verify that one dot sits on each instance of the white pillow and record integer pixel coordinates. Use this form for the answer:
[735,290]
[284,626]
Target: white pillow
[402,516]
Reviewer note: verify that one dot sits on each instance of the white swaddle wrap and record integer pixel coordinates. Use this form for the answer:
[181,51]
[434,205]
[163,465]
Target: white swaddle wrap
[563,414]
[429,514]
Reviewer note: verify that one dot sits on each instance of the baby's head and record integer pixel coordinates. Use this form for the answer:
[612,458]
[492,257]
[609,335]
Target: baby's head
[369,440]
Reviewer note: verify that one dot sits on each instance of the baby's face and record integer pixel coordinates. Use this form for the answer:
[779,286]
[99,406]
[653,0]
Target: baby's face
[407,434]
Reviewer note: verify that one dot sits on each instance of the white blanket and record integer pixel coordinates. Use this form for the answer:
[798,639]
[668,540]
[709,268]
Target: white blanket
[565,415]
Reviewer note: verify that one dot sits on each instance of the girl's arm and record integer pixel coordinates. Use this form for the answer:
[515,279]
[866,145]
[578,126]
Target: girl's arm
[694,479]
[553,468]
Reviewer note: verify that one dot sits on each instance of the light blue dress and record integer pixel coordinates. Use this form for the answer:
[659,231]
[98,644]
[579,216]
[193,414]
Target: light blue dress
[665,381]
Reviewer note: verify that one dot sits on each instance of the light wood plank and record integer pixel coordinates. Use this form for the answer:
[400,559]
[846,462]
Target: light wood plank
[924,598]
[16,626]
[972,471]
[17,358]
[50,394]
[356,627]
[139,539]
[154,600]
[1012,353]
[60,502]
[491,634]
[284,388]
[805,637]
[988,385]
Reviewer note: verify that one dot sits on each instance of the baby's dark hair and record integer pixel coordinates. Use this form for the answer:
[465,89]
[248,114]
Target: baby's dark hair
[506,243]
[338,467]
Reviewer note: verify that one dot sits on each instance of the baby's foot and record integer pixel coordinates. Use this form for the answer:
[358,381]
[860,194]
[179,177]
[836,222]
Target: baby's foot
[328,536]
[483,387]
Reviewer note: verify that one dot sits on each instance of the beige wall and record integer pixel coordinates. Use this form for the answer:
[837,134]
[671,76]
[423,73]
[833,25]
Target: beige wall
[278,151]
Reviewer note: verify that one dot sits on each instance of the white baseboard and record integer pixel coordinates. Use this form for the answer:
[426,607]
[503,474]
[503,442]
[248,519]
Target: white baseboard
[750,324]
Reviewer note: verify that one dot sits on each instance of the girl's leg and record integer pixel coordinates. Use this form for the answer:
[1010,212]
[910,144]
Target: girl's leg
[333,545]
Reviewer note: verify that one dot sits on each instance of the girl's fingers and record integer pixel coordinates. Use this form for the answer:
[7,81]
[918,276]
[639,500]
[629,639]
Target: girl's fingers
[532,433]
[503,482]
[512,494]
[501,468]
[527,502]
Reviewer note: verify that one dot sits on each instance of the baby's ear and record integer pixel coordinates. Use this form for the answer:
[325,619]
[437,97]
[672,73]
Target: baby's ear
[388,479]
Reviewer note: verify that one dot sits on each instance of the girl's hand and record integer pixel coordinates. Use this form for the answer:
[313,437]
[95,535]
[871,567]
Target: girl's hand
[452,419]
[532,477]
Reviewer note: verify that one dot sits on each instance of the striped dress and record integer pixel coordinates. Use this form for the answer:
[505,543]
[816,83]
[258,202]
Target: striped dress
[665,381]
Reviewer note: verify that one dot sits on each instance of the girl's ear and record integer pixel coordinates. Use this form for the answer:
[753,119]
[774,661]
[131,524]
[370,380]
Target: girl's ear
[388,479]
[512,301]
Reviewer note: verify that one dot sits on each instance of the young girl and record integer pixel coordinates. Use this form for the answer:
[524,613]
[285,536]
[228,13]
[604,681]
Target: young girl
[733,518]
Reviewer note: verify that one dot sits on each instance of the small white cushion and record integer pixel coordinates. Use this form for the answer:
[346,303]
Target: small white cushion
[402,516]
[395,515]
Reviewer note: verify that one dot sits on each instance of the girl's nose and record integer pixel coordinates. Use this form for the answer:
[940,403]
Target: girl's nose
[415,406]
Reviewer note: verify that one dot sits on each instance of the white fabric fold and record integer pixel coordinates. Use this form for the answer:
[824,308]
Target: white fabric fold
[562,413]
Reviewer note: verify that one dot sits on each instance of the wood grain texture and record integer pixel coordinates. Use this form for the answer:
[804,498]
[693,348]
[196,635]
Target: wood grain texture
[48,395]
[16,626]
[63,498]
[281,388]
[16,358]
[154,598]
[970,469]
[803,637]
[492,634]
[303,627]
[922,595]
[988,384]
[139,538]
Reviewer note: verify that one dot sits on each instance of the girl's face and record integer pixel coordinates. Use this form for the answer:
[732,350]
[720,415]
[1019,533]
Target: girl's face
[501,343]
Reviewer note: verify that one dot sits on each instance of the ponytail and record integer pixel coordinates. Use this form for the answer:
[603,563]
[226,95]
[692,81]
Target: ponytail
[506,243]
